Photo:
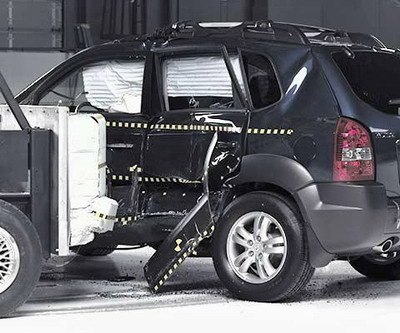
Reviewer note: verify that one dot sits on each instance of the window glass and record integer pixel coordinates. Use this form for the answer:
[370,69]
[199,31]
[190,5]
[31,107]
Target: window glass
[263,83]
[114,86]
[374,77]
[200,82]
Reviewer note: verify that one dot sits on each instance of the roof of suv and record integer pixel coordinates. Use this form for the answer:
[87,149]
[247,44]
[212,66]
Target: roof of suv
[261,30]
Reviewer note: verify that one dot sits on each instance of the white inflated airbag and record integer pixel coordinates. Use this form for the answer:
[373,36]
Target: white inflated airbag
[200,76]
[115,85]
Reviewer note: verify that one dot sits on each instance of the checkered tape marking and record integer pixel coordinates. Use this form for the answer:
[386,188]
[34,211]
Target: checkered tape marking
[146,179]
[208,128]
[270,131]
[123,219]
[126,219]
[124,124]
[191,249]
[103,216]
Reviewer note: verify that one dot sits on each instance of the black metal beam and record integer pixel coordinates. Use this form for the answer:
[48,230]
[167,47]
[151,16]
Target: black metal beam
[12,103]
[159,13]
[82,11]
[143,17]
[70,19]
[40,187]
[248,10]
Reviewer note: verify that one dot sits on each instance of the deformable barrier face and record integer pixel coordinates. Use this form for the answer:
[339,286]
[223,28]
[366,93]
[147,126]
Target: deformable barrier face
[79,206]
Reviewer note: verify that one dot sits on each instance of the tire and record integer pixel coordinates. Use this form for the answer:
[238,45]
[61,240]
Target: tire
[378,267]
[19,241]
[291,261]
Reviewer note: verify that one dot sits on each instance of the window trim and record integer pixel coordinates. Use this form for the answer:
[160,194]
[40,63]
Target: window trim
[46,89]
[278,79]
[350,87]
[191,51]
[71,65]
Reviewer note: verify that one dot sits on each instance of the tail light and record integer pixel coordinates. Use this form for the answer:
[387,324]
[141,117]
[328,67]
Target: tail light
[354,156]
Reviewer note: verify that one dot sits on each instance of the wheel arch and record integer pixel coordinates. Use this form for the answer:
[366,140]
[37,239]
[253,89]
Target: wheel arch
[279,171]
[283,176]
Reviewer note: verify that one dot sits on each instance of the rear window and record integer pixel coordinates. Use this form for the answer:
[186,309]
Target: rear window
[263,83]
[374,78]
[200,82]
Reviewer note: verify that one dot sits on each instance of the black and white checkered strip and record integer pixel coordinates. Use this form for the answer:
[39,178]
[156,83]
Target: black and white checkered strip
[146,179]
[103,216]
[141,179]
[174,127]
[189,249]
[121,219]
[126,219]
[121,177]
[167,180]
[270,131]
[136,168]
[124,124]
[207,128]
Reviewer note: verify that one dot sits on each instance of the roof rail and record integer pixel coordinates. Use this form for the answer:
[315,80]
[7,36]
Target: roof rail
[325,35]
[267,30]
[260,29]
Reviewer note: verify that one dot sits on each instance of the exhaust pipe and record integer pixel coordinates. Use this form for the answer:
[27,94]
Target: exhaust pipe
[384,247]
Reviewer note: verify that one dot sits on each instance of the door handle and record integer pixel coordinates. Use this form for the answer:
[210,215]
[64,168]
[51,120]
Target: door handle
[227,145]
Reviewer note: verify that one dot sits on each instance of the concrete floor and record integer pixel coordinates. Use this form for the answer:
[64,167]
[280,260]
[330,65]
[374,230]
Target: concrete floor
[87,291]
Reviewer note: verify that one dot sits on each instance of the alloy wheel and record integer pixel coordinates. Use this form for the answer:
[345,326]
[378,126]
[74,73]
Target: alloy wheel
[256,247]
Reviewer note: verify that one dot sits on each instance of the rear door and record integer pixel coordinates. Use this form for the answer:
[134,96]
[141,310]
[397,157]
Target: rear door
[202,93]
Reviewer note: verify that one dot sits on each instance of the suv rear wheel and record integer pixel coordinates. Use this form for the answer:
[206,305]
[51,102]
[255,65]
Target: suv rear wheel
[259,248]
[385,266]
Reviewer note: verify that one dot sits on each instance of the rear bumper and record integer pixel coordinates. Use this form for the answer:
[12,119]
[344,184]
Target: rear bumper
[348,219]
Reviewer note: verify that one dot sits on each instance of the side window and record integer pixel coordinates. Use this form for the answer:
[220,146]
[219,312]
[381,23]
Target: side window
[200,82]
[114,86]
[263,83]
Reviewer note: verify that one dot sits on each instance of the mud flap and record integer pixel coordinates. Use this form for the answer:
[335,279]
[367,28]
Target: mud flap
[180,244]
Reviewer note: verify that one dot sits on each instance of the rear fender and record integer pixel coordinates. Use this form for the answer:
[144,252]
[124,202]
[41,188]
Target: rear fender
[291,176]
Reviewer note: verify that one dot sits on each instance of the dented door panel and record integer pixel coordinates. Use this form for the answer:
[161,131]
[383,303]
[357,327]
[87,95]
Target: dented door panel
[176,146]
[231,127]
[168,146]
[220,157]
[177,143]
[125,137]
[163,200]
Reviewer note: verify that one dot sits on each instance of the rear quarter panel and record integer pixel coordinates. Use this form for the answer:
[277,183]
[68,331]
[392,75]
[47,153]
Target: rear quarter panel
[384,128]
[307,112]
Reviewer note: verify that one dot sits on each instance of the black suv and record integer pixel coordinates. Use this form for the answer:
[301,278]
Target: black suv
[305,166]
